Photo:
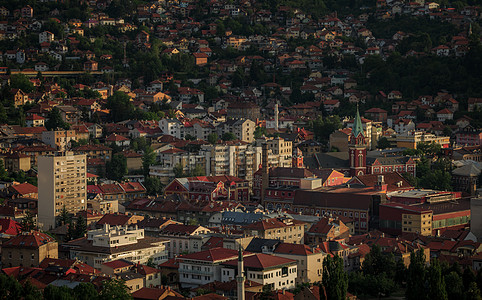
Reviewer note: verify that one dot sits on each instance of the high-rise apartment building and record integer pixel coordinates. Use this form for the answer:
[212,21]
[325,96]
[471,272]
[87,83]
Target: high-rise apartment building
[61,182]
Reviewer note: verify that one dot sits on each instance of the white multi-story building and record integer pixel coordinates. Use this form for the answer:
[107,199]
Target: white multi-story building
[184,238]
[61,183]
[112,243]
[220,264]
[170,158]
[172,127]
[235,159]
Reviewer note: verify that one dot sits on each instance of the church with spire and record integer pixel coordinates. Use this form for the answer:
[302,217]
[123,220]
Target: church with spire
[357,148]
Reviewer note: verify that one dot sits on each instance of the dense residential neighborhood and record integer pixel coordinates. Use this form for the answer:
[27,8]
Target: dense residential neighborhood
[241,149]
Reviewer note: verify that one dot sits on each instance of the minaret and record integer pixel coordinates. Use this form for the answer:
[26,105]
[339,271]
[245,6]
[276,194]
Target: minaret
[240,278]
[264,170]
[276,116]
[357,148]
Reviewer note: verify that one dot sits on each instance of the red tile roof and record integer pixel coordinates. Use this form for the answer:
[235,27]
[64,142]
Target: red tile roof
[179,229]
[117,264]
[10,227]
[154,293]
[114,220]
[24,189]
[33,239]
[271,223]
[261,261]
[295,249]
[212,255]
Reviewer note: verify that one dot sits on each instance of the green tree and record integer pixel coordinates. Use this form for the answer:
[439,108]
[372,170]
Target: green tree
[197,171]
[55,120]
[148,159]
[3,171]
[30,292]
[335,279]
[429,148]
[117,167]
[436,281]
[473,292]
[3,114]
[229,136]
[121,107]
[260,131]
[213,138]
[377,263]
[28,223]
[153,185]
[416,276]
[114,289]
[178,170]
[85,291]
[454,286]
[383,143]
[53,292]
[80,227]
[21,81]
[64,217]
[10,288]
[189,137]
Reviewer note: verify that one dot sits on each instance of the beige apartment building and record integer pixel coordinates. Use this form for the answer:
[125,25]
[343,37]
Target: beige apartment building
[285,230]
[309,260]
[279,151]
[62,182]
[243,129]
[59,139]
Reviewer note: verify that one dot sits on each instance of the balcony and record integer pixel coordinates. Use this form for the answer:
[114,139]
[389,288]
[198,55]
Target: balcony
[197,272]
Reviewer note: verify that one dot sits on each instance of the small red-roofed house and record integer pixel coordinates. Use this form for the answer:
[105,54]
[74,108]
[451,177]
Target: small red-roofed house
[133,190]
[200,58]
[15,162]
[34,120]
[327,229]
[444,115]
[24,190]
[119,140]
[116,266]
[28,249]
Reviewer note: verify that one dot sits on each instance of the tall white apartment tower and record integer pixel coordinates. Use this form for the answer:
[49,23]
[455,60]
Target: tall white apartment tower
[62,181]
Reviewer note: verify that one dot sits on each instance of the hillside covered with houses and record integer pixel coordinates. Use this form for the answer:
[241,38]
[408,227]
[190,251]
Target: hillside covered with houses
[241,149]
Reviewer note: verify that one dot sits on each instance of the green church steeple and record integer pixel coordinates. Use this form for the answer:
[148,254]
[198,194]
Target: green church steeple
[358,126]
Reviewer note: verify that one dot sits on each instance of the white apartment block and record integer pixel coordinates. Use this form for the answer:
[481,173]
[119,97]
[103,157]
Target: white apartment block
[220,264]
[241,160]
[117,242]
[61,182]
[172,127]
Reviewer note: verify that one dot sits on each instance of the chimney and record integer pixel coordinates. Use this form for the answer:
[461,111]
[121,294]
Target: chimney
[265,172]
[381,185]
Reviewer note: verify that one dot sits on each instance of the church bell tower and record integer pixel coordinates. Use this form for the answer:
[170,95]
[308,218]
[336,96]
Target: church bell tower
[357,148]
